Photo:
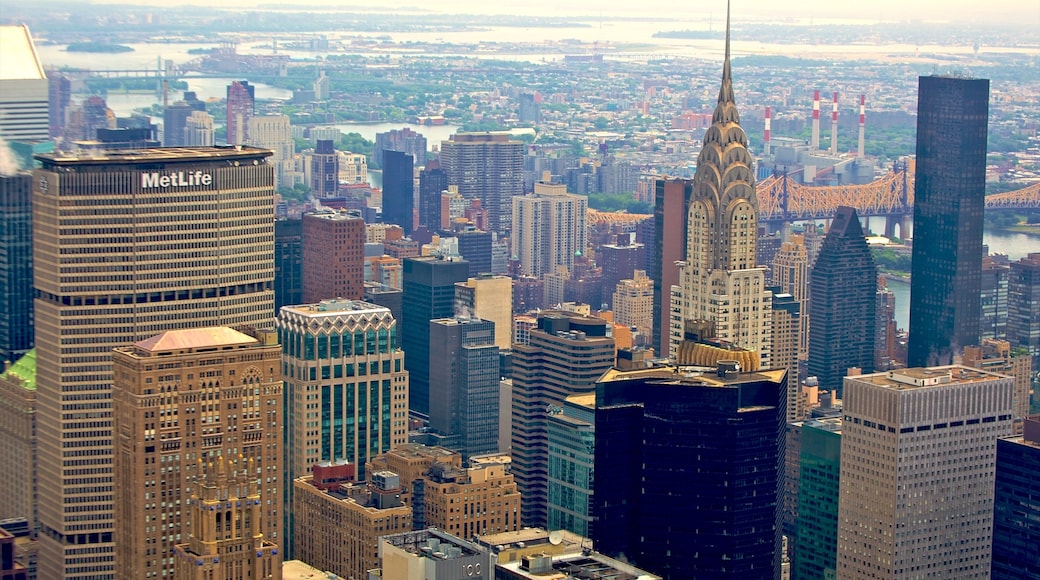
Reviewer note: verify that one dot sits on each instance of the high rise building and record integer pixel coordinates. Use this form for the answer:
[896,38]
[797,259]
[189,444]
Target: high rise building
[572,458]
[404,140]
[162,435]
[398,190]
[489,298]
[488,167]
[324,170]
[24,98]
[273,132]
[925,439]
[619,260]
[1023,326]
[565,356]
[548,228]
[241,106]
[816,538]
[997,356]
[227,539]
[475,248]
[59,93]
[16,266]
[530,112]
[433,180]
[288,262]
[786,318]
[695,468]
[1016,531]
[720,280]
[634,303]
[333,255]
[429,293]
[411,462]
[949,196]
[99,287]
[885,339]
[994,297]
[18,439]
[353,167]
[175,120]
[671,206]
[842,304]
[481,499]
[464,375]
[791,274]
[339,523]
[198,130]
[346,390]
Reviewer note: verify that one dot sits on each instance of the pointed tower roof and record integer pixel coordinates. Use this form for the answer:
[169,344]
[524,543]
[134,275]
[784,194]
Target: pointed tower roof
[726,90]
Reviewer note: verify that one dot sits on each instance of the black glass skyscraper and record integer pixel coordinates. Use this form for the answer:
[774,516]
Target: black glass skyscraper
[288,262]
[432,182]
[949,199]
[842,304]
[398,189]
[16,266]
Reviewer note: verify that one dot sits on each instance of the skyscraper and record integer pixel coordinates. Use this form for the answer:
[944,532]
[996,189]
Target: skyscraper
[720,280]
[398,190]
[1023,326]
[949,198]
[490,298]
[1016,518]
[994,297]
[241,105]
[429,293]
[273,132]
[791,274]
[59,94]
[816,537]
[18,429]
[548,228]
[24,98]
[16,266]
[107,286]
[786,322]
[464,375]
[240,377]
[488,167]
[432,182]
[175,118]
[633,303]
[475,246]
[404,140]
[671,206]
[924,439]
[619,260]
[566,354]
[198,130]
[571,436]
[333,255]
[324,170]
[842,304]
[288,262]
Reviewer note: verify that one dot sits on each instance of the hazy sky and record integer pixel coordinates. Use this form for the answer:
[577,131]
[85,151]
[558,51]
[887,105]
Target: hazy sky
[1013,11]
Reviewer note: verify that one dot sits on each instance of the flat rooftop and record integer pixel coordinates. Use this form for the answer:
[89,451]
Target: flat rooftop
[925,377]
[693,376]
[153,155]
[337,306]
[20,61]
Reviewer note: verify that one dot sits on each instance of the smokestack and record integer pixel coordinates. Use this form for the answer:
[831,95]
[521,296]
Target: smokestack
[862,123]
[815,143]
[768,119]
[834,126]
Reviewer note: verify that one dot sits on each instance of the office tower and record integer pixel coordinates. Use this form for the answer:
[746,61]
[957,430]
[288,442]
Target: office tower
[475,248]
[634,303]
[16,266]
[353,167]
[333,255]
[566,354]
[786,318]
[530,111]
[481,499]
[464,377]
[324,170]
[925,439]
[398,190]
[671,206]
[695,468]
[1023,326]
[489,298]
[241,105]
[411,462]
[791,274]
[548,228]
[288,262]
[24,95]
[997,356]
[404,140]
[273,132]
[842,304]
[226,539]
[1016,518]
[346,390]
[720,280]
[339,523]
[59,94]
[198,130]
[619,260]
[433,555]
[175,120]
[383,295]
[885,339]
[429,293]
[571,432]
[816,539]
[433,180]
[159,384]
[994,297]
[18,439]
[949,195]
[154,274]
[488,167]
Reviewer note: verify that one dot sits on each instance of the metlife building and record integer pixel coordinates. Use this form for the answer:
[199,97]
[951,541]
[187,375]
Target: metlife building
[128,245]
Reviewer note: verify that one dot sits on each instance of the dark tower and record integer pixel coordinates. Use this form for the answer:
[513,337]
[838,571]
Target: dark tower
[432,182]
[949,199]
[324,170]
[842,304]
[16,266]
[398,189]
[475,248]
[288,262]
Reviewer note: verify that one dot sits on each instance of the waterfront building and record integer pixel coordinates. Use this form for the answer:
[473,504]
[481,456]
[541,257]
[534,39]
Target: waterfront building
[333,255]
[241,106]
[404,140]
[548,228]
[949,199]
[398,190]
[488,167]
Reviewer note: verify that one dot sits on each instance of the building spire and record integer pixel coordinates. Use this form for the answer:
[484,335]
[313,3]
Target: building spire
[726,91]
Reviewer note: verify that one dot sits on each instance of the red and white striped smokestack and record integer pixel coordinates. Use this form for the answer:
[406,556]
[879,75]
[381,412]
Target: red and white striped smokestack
[768,119]
[814,144]
[862,123]
[834,126]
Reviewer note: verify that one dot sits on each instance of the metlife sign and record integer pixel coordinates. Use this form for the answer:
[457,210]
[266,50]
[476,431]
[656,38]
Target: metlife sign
[156,179]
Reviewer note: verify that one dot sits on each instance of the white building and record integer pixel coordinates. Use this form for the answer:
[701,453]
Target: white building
[634,303]
[548,228]
[273,132]
[198,130]
[23,87]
